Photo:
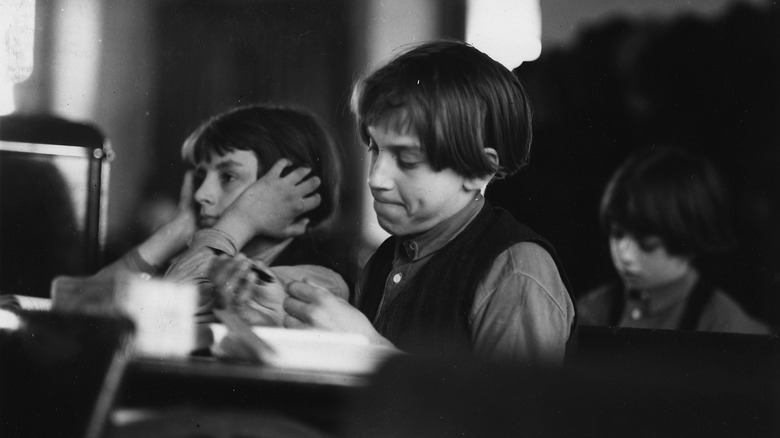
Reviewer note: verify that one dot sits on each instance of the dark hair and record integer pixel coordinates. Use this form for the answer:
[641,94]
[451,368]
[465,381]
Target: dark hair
[273,133]
[673,194]
[458,100]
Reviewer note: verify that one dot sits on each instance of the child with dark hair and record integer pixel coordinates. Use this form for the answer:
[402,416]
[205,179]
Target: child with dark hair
[458,276]
[666,212]
[261,177]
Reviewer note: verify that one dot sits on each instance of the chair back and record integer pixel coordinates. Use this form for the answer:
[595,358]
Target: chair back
[53,201]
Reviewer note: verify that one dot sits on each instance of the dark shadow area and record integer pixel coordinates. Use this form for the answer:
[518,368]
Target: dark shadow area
[629,382]
[60,373]
[39,236]
[708,85]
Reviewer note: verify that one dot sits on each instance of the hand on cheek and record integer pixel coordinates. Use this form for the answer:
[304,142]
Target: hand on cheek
[272,206]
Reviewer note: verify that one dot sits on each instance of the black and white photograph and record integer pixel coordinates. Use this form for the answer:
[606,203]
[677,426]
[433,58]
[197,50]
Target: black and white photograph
[389,218]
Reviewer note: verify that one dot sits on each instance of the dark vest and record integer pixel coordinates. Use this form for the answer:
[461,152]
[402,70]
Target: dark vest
[430,315]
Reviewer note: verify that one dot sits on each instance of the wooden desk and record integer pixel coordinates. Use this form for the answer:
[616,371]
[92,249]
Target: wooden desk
[321,400]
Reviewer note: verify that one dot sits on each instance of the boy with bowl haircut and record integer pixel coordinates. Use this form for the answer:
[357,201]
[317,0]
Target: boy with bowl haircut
[665,212]
[457,276]
[262,176]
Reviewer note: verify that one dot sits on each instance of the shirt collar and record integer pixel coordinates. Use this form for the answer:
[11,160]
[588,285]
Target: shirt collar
[662,299]
[412,248]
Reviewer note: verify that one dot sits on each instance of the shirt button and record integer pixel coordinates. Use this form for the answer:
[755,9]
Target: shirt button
[636,314]
[396,278]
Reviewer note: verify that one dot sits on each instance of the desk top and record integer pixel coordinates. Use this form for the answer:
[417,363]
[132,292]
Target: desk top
[202,368]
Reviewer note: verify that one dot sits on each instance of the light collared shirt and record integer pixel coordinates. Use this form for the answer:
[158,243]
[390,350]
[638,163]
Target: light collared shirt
[663,308]
[521,309]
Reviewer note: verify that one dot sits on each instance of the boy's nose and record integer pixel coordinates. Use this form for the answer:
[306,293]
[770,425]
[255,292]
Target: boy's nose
[379,173]
[625,248]
[205,193]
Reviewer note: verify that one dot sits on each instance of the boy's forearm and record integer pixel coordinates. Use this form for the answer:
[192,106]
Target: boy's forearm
[239,229]
[163,245]
[130,263]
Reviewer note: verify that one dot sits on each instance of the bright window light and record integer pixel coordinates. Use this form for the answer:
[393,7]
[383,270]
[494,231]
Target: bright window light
[17,34]
[76,58]
[508,30]
[6,98]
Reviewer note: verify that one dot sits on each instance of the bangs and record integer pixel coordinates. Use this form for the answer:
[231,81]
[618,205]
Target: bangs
[205,141]
[393,109]
[639,211]
[672,195]
[457,100]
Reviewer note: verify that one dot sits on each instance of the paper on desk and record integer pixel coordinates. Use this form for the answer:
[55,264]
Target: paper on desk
[316,350]
[259,349]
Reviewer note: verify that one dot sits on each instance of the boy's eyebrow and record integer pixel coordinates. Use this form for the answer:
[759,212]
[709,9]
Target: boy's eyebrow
[412,145]
[229,163]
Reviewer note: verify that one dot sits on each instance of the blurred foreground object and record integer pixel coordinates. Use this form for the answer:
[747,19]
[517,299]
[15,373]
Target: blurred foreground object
[162,311]
[59,372]
[621,382]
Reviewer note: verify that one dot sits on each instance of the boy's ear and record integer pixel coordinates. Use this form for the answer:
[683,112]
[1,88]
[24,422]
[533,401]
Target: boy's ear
[479,183]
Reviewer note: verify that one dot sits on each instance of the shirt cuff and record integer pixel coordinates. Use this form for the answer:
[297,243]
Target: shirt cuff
[216,240]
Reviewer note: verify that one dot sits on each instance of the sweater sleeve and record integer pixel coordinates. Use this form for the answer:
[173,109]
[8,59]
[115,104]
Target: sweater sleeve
[192,267]
[130,263]
[522,310]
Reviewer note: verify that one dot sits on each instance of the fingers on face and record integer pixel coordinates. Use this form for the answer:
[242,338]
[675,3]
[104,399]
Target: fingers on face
[308,185]
[298,175]
[310,202]
[298,227]
[278,167]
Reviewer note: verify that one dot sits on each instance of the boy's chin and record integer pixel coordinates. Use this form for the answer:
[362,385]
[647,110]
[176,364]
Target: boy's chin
[401,228]
[392,227]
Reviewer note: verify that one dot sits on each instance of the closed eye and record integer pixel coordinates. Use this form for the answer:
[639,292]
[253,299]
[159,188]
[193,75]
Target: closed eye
[372,147]
[408,164]
[650,244]
[227,178]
